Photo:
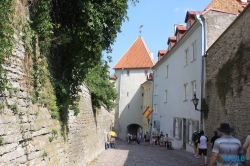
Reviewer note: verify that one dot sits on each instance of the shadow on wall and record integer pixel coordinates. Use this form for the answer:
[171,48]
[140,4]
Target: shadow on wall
[131,116]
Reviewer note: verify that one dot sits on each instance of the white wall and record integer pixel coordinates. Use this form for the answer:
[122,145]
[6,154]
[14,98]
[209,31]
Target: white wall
[178,75]
[131,84]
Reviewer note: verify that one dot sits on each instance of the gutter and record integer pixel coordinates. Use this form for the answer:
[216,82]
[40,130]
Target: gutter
[201,20]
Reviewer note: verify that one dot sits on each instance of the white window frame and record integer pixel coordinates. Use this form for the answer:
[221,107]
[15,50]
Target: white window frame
[167,71]
[194,87]
[194,48]
[189,24]
[176,133]
[166,96]
[186,92]
[186,57]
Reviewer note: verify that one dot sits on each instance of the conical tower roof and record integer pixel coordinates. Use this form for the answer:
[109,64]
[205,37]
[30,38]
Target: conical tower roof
[137,56]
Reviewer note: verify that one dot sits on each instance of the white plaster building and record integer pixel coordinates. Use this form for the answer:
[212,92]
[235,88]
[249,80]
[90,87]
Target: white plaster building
[179,74]
[130,72]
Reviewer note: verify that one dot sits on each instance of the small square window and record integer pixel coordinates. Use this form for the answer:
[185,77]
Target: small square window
[185,92]
[166,71]
[127,72]
[194,51]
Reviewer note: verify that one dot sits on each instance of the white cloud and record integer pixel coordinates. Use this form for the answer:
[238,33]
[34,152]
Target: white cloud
[176,9]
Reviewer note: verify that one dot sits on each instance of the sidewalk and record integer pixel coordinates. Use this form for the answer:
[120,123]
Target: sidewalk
[140,155]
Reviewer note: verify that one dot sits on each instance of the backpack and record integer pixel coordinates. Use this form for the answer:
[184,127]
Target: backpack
[194,137]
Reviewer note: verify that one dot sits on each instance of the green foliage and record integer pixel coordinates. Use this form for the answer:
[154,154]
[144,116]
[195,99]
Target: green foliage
[1,141]
[1,105]
[13,107]
[102,90]
[224,76]
[204,108]
[44,154]
[51,139]
[6,39]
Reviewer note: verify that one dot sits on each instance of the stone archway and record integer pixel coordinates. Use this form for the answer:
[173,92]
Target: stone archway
[134,129]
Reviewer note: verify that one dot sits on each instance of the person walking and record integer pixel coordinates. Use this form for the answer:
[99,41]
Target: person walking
[147,138]
[246,146]
[216,136]
[202,145]
[153,139]
[226,148]
[194,140]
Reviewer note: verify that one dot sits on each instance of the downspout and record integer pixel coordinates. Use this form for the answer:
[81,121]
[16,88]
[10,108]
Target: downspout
[151,128]
[203,45]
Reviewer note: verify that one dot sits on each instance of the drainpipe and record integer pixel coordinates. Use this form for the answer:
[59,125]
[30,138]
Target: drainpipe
[151,128]
[203,50]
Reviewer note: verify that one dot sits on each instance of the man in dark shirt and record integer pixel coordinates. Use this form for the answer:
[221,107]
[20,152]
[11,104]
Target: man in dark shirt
[214,138]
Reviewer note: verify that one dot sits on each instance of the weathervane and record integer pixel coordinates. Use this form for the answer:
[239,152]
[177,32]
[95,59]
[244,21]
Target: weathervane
[140,28]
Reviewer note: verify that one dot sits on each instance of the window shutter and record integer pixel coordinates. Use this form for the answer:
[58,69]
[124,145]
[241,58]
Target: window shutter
[180,128]
[173,126]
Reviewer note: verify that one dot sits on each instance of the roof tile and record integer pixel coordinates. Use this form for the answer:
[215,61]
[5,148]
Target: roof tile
[137,56]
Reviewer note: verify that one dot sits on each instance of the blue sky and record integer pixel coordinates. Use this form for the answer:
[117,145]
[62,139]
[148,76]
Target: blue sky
[158,18]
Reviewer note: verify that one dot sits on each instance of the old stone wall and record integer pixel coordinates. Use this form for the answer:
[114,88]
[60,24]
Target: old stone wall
[216,23]
[28,133]
[231,53]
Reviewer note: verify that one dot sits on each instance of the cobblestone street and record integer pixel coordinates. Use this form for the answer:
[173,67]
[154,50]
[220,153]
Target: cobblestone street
[140,155]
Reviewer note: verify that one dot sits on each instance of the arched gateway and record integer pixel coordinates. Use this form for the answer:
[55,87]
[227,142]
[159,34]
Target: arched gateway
[134,129]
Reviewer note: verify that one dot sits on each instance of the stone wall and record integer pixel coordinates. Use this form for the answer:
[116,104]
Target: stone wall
[28,133]
[216,23]
[236,108]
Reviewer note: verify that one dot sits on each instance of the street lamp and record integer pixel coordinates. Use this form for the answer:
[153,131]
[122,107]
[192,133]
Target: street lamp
[195,101]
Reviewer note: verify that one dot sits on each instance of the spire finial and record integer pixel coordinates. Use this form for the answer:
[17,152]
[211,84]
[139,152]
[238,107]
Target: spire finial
[140,29]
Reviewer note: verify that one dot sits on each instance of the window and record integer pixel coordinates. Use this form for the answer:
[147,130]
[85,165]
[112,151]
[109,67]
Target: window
[193,88]
[166,71]
[165,98]
[177,37]
[146,72]
[128,106]
[142,94]
[194,51]
[186,57]
[155,108]
[176,135]
[141,106]
[127,72]
[156,90]
[155,72]
[185,92]
[127,94]
[169,46]
[188,24]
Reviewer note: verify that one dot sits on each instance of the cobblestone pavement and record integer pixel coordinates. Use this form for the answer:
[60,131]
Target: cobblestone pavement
[140,155]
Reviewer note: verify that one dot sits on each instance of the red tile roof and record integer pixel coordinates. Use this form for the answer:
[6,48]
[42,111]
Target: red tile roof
[162,52]
[137,56]
[190,14]
[180,28]
[173,39]
[112,77]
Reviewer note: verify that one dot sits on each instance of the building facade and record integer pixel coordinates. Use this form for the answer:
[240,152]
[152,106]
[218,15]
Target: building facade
[180,73]
[130,72]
